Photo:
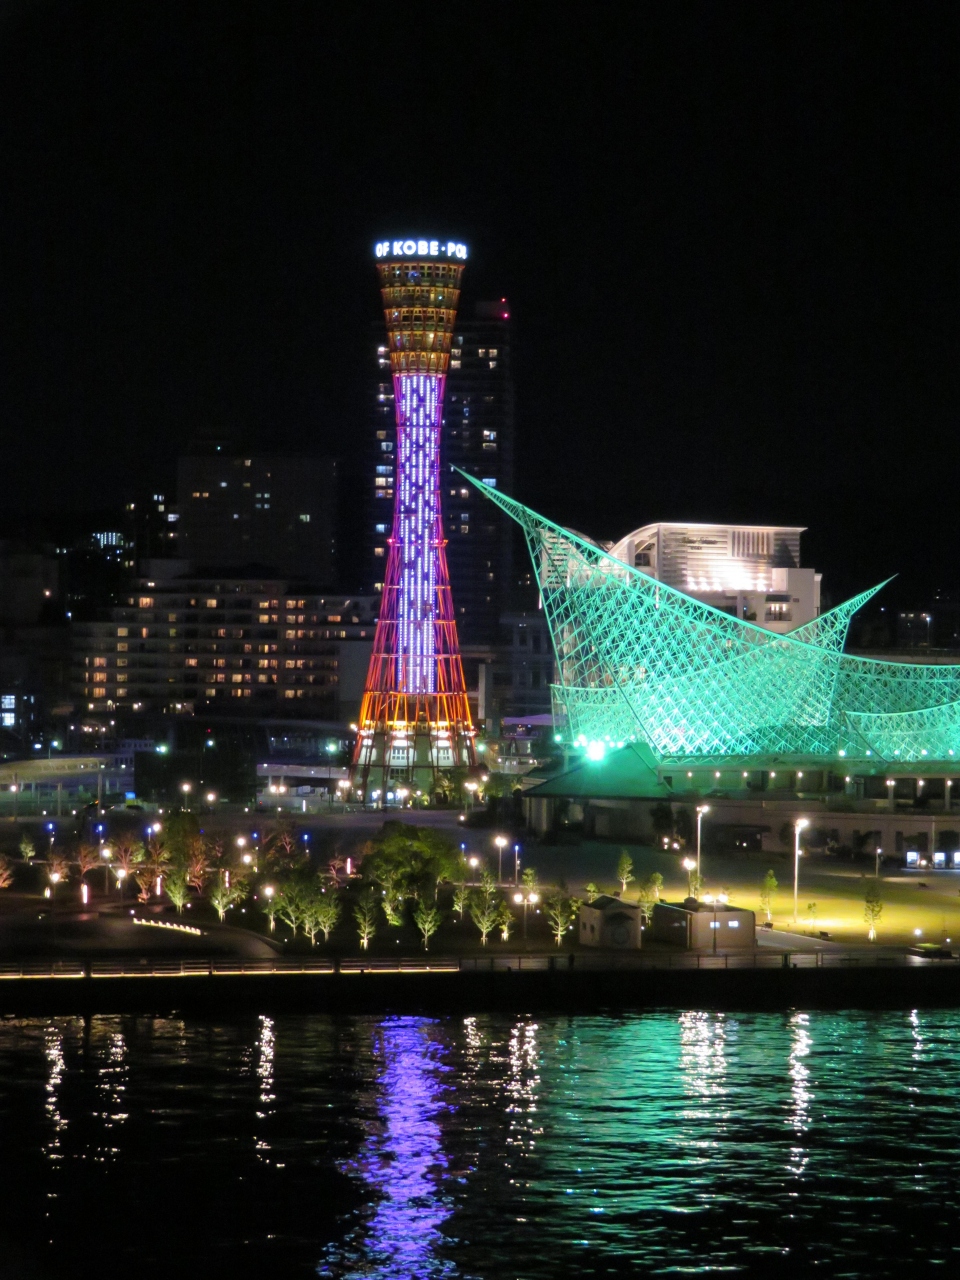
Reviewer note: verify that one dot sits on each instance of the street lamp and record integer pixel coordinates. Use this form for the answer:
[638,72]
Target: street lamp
[472,791]
[106,854]
[121,875]
[54,880]
[701,810]
[798,826]
[516,864]
[186,788]
[528,900]
[501,842]
[689,866]
[268,892]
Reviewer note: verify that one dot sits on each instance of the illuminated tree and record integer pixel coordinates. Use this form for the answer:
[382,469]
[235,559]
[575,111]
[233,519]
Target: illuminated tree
[290,908]
[624,870]
[225,893]
[592,891]
[485,914]
[177,887]
[562,913]
[324,912]
[6,872]
[461,896]
[505,922]
[427,919]
[198,864]
[58,864]
[365,914]
[767,889]
[872,909]
[27,849]
[126,855]
[87,859]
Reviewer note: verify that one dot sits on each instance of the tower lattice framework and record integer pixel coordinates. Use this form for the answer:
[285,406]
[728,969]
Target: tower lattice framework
[415,718]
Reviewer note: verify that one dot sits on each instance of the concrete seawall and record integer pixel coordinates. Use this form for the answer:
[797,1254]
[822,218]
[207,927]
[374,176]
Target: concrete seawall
[450,991]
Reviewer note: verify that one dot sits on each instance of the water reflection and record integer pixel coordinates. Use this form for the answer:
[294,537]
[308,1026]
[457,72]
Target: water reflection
[266,1050]
[801,1094]
[56,1068]
[403,1166]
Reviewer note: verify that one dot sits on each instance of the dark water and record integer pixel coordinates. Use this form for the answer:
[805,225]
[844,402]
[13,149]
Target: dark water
[658,1144]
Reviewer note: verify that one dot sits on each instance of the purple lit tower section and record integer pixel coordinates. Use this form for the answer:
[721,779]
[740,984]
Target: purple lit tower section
[415,719]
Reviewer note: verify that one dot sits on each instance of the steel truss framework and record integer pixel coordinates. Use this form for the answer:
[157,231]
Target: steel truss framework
[414,718]
[638,661]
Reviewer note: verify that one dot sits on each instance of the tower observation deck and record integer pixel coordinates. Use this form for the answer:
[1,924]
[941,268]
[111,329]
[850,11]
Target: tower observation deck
[414,718]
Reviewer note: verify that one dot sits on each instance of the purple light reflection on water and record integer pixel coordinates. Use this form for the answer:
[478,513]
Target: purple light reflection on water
[403,1166]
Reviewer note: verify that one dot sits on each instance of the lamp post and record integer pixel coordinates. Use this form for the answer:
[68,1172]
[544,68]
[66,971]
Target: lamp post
[798,826]
[516,864]
[54,880]
[121,875]
[876,870]
[186,788]
[689,866]
[528,900]
[501,842]
[106,854]
[701,810]
[268,892]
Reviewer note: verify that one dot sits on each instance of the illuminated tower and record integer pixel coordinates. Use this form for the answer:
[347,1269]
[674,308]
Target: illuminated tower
[414,718]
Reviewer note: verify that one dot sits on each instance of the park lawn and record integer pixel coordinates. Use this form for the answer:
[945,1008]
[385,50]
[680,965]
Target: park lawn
[837,888]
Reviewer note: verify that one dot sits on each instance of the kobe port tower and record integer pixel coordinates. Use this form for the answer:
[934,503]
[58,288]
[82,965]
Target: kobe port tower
[414,717]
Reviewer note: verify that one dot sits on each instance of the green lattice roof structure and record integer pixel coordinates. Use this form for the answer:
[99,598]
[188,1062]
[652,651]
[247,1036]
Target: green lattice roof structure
[641,662]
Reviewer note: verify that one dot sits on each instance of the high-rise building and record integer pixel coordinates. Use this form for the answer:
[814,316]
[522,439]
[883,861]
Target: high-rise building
[249,645]
[274,512]
[415,718]
[477,437]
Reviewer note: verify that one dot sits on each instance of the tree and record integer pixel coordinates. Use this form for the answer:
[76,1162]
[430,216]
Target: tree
[461,896]
[561,912]
[872,909]
[427,919]
[592,891]
[57,865]
[270,905]
[87,859]
[488,886]
[768,888]
[291,904]
[198,864]
[325,909]
[126,855]
[812,912]
[506,921]
[177,887]
[365,914]
[27,848]
[393,906]
[655,884]
[624,870]
[485,914]
[6,872]
[224,894]
[530,881]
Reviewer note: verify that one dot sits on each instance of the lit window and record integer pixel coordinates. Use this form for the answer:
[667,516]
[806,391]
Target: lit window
[145,602]
[455,364]
[211,604]
[122,631]
[99,662]
[305,519]
[493,351]
[378,551]
[121,648]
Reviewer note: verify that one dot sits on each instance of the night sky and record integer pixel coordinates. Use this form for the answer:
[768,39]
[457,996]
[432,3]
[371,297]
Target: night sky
[728,233]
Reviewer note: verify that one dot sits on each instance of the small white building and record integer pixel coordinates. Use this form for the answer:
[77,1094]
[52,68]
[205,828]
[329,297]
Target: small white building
[704,926]
[610,922]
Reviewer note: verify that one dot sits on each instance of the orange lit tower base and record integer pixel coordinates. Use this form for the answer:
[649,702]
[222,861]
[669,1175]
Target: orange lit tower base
[414,719]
